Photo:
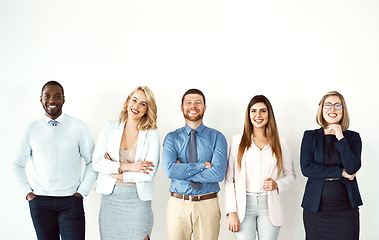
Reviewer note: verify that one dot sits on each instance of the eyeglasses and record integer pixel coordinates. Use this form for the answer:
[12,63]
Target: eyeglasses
[337,106]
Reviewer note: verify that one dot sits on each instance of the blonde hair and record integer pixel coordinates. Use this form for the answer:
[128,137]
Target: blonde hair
[345,120]
[149,120]
[271,133]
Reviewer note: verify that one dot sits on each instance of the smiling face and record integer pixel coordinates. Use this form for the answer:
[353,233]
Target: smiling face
[137,105]
[193,107]
[332,116]
[259,115]
[52,100]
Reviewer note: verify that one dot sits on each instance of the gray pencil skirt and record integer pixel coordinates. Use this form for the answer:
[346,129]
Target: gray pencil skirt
[124,216]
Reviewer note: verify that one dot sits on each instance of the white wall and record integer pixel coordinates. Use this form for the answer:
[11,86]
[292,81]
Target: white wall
[291,51]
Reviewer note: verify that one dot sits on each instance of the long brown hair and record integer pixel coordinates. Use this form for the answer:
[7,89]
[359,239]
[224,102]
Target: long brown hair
[271,133]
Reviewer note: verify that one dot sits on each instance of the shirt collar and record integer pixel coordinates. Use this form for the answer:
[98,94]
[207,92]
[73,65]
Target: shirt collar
[59,119]
[199,129]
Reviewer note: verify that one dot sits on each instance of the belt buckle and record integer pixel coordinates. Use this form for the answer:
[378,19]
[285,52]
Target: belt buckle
[194,197]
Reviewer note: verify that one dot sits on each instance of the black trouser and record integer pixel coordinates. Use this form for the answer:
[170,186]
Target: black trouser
[54,216]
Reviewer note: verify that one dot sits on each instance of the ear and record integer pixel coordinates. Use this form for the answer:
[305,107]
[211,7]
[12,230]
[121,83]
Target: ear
[64,99]
[181,108]
[205,107]
[40,99]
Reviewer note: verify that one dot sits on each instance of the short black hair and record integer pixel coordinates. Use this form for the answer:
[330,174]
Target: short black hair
[193,91]
[55,83]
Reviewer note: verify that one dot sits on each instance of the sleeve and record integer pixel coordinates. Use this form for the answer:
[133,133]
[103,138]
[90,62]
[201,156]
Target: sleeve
[288,170]
[175,170]
[230,190]
[86,146]
[350,154]
[99,162]
[216,173]
[309,167]
[153,150]
[22,154]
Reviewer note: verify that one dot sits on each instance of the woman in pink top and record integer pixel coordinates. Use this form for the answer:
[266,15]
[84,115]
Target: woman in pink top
[260,168]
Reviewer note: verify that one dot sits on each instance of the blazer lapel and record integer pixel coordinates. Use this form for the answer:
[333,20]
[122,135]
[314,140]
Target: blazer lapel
[319,146]
[142,135]
[114,146]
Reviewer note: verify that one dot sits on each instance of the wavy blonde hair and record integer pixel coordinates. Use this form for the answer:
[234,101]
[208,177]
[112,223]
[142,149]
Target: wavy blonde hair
[271,133]
[345,120]
[149,120]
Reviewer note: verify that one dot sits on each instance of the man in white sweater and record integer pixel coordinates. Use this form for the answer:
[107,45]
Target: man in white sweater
[55,145]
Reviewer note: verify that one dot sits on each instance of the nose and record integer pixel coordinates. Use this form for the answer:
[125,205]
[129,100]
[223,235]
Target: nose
[51,100]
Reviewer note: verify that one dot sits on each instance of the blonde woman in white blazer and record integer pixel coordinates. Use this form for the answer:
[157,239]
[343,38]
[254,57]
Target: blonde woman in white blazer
[127,157]
[260,168]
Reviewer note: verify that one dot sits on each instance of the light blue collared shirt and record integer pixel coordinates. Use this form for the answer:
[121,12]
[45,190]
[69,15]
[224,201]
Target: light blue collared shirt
[211,147]
[55,155]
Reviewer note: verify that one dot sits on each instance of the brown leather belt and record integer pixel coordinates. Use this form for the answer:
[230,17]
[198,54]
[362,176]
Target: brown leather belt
[194,198]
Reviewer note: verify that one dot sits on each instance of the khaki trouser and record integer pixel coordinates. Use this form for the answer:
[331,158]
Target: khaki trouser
[201,218]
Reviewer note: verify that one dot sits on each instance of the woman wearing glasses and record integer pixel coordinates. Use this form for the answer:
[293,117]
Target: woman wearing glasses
[330,157]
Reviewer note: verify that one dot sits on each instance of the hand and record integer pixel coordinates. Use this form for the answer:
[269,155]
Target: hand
[348,176]
[269,184]
[30,196]
[141,166]
[78,195]
[207,165]
[336,130]
[106,156]
[233,222]
[118,176]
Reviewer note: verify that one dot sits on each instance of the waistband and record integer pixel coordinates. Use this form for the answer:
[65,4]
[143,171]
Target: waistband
[194,198]
[256,194]
[331,179]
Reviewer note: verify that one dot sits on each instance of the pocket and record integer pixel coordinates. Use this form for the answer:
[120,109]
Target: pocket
[33,200]
[77,210]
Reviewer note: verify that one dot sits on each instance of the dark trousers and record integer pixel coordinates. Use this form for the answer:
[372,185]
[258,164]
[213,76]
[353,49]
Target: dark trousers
[54,216]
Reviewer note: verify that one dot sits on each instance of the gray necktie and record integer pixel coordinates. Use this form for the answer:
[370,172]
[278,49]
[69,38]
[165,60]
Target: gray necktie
[192,155]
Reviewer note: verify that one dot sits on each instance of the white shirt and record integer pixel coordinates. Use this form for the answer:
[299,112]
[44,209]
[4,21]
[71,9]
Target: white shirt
[257,163]
[55,158]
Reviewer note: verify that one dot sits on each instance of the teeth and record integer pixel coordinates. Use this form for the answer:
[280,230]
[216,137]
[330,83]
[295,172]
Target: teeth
[134,111]
[332,115]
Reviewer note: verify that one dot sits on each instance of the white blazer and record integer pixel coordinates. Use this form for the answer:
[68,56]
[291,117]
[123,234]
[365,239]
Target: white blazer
[109,142]
[235,181]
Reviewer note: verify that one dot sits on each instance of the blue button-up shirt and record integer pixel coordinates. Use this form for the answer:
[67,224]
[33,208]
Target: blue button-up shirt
[211,147]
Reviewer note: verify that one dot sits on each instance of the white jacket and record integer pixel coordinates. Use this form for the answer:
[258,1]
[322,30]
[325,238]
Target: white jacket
[235,180]
[109,142]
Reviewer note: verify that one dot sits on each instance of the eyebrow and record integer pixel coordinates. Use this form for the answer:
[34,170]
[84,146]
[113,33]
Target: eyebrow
[258,108]
[138,99]
[332,103]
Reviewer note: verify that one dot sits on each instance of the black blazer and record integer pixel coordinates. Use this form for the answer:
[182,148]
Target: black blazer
[312,166]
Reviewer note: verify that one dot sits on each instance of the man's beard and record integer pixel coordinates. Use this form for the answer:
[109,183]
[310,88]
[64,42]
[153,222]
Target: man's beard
[195,118]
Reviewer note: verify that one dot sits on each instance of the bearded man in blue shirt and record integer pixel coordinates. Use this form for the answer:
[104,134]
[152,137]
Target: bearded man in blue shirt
[55,145]
[195,159]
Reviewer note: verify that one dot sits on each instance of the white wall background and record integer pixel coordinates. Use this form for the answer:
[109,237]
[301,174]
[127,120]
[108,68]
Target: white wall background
[291,51]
